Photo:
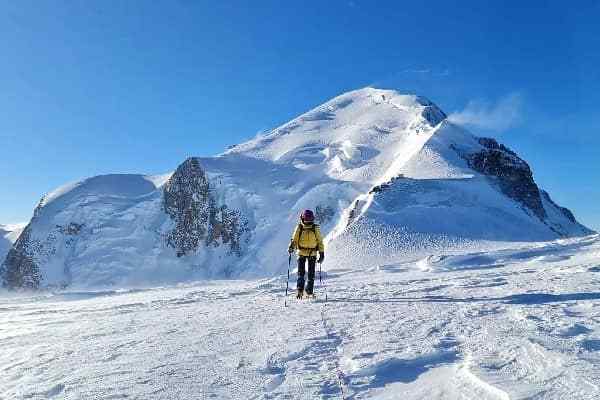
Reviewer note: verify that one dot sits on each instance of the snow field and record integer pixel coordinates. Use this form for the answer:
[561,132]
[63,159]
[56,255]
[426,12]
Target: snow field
[505,324]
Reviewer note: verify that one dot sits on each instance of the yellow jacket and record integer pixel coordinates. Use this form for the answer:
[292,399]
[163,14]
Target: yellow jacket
[308,240]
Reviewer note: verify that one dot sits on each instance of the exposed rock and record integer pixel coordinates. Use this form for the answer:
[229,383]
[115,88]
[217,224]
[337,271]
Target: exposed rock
[198,219]
[431,112]
[382,187]
[513,174]
[8,236]
[226,227]
[19,270]
[433,115]
[187,202]
[324,214]
[71,229]
[354,211]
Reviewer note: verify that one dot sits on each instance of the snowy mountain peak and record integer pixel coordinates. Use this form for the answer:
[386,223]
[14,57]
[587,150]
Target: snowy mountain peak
[360,115]
[390,178]
[362,136]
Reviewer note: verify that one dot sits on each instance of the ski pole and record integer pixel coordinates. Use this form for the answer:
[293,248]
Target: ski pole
[287,284]
[321,280]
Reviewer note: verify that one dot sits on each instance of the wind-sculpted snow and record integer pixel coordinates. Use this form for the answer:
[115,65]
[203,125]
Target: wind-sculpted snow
[512,323]
[388,175]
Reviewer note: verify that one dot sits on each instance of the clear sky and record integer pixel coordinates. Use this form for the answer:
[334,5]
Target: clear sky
[93,87]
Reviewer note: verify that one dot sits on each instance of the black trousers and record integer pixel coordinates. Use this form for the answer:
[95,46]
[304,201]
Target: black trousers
[311,273]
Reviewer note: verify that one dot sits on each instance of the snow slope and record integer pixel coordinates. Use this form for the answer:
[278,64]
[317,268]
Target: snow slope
[389,178]
[516,323]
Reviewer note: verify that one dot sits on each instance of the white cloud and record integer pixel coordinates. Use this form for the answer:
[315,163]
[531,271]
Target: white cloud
[503,115]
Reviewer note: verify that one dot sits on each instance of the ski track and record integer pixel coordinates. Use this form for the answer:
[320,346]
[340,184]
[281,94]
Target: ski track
[515,324]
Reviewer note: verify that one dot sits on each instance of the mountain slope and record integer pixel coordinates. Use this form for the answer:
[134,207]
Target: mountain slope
[456,191]
[8,235]
[388,176]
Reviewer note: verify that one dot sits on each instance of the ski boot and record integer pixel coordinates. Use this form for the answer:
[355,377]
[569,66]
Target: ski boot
[300,293]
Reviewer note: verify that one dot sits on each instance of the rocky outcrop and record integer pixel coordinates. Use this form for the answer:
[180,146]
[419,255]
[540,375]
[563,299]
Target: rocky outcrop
[187,202]
[19,270]
[324,214]
[199,220]
[386,185]
[513,175]
[5,240]
[431,113]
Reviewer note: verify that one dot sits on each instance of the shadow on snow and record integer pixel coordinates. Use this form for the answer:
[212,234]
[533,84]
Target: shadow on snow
[521,299]
[394,370]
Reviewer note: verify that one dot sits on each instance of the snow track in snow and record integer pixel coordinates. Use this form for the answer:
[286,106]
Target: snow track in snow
[332,335]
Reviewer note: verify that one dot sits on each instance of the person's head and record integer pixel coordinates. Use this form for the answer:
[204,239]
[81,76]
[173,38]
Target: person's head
[307,217]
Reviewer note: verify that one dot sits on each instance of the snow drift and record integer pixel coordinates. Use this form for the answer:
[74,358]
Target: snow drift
[388,176]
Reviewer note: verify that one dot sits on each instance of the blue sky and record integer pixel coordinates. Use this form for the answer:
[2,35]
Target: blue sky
[92,87]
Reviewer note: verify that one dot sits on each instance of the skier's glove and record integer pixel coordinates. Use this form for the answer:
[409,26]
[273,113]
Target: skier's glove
[290,250]
[321,257]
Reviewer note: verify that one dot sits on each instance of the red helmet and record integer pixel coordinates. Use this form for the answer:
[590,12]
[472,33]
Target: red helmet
[307,216]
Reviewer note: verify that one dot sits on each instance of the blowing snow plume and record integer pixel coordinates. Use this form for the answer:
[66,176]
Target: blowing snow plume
[498,117]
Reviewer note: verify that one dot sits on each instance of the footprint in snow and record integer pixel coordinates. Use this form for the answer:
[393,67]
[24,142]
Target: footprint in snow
[275,367]
[274,383]
[574,330]
[52,392]
[112,357]
[591,344]
[394,369]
